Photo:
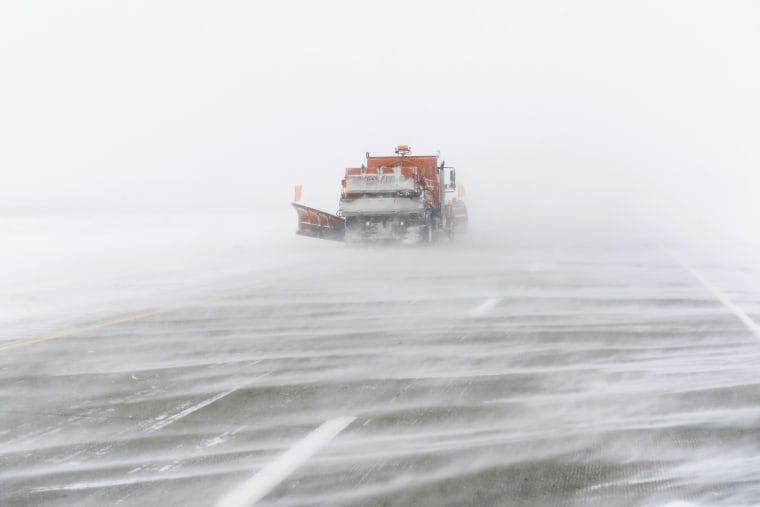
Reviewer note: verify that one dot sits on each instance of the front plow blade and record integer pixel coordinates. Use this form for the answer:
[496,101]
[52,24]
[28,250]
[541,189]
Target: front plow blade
[319,224]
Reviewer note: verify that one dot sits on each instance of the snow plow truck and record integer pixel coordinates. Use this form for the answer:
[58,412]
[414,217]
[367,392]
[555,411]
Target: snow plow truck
[400,198]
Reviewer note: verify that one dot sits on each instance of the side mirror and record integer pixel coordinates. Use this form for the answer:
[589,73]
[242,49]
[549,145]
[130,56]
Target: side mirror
[453,177]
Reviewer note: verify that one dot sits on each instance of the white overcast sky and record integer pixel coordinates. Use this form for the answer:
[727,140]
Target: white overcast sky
[544,107]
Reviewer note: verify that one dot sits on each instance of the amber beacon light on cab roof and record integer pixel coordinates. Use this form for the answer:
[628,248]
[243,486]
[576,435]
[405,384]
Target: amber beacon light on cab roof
[400,198]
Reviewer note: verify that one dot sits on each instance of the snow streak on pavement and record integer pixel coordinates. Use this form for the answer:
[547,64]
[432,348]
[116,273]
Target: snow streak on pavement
[571,374]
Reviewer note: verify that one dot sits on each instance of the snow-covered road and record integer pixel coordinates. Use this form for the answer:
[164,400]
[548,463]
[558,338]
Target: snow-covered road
[475,373]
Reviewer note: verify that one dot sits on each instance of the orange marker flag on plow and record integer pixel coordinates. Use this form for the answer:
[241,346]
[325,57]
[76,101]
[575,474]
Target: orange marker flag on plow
[460,191]
[297,196]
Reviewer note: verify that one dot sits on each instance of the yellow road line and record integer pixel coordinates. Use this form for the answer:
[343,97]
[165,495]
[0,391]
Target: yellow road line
[133,317]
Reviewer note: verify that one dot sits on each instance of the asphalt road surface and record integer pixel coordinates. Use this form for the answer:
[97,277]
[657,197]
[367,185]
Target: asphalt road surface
[517,374]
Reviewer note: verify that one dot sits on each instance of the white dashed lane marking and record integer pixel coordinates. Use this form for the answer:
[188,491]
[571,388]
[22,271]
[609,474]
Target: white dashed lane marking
[258,486]
[485,307]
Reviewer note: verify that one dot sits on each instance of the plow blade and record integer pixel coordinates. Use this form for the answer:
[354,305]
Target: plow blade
[319,224]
